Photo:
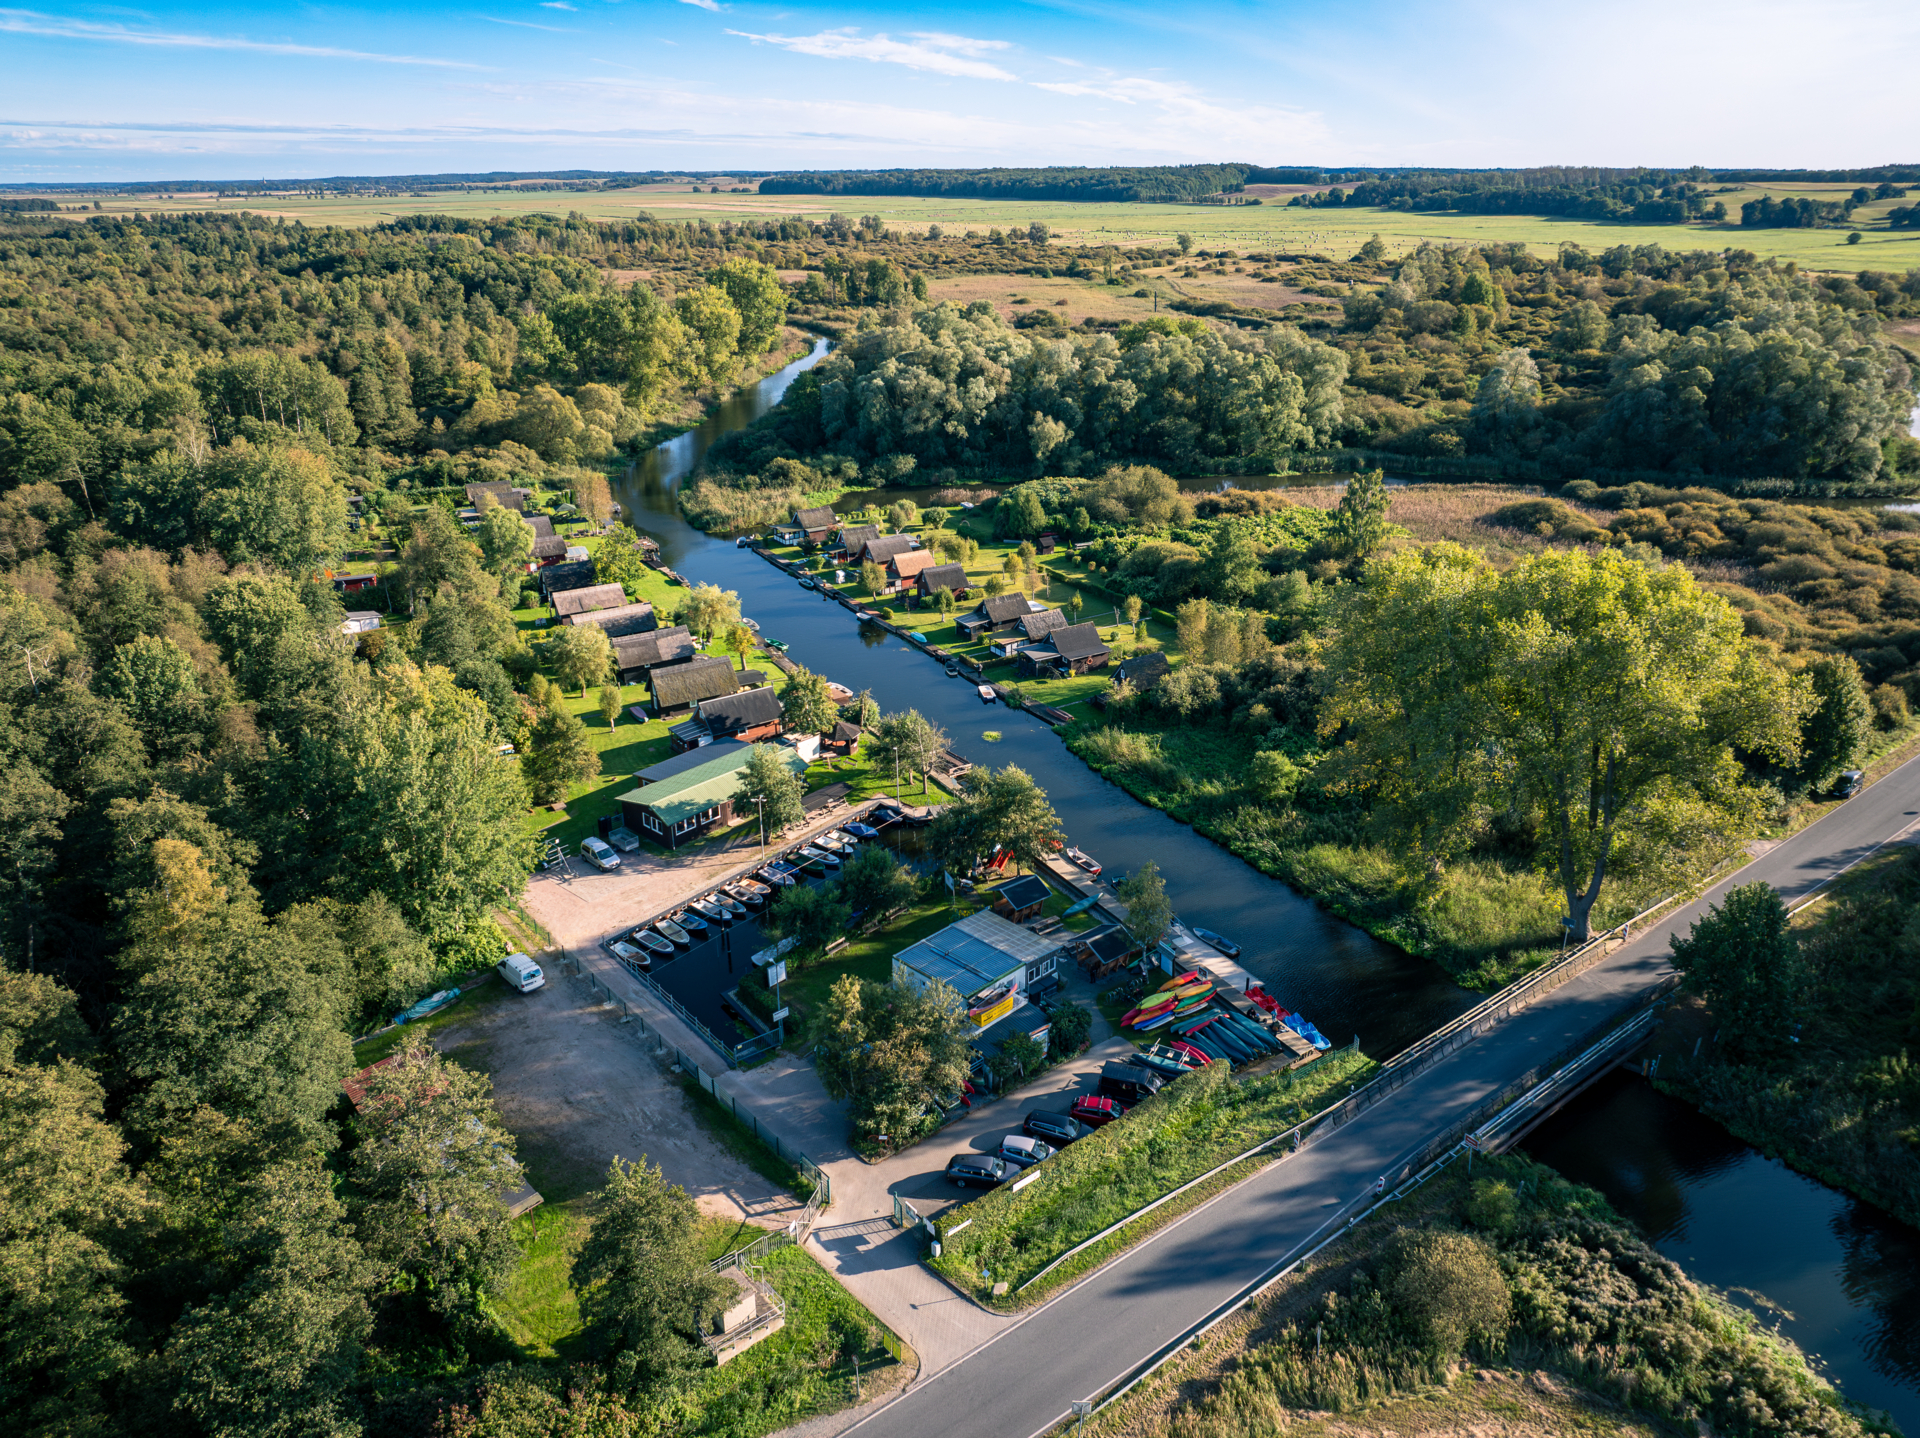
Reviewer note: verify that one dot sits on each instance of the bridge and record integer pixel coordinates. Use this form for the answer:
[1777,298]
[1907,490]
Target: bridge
[1490,1074]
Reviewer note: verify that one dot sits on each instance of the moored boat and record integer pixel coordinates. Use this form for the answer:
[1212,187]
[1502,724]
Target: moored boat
[746,898]
[674,932]
[985,691]
[648,939]
[1083,861]
[630,954]
[690,921]
[821,856]
[706,909]
[1231,950]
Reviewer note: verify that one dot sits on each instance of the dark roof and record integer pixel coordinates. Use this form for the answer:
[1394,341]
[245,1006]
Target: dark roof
[684,684]
[1109,943]
[499,489]
[1023,892]
[1001,608]
[845,733]
[745,710]
[541,525]
[812,519]
[576,574]
[1078,641]
[855,535]
[660,646]
[881,550]
[943,576]
[592,596]
[635,618]
[1045,622]
[1144,670]
[549,546]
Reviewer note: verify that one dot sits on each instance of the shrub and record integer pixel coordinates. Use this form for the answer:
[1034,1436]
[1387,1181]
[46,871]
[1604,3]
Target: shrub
[1449,1289]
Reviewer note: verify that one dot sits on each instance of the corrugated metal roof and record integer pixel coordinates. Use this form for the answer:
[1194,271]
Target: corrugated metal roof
[975,953]
[702,784]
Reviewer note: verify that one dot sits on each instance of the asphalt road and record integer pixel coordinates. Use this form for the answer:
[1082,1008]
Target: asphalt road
[1023,1381]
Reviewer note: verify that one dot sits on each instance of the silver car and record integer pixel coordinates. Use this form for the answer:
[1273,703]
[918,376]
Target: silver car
[596,853]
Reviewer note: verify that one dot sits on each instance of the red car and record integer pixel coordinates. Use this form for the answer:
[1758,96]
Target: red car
[1095,1111]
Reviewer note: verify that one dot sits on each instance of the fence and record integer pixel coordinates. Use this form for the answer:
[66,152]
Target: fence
[734,1054]
[807,1168]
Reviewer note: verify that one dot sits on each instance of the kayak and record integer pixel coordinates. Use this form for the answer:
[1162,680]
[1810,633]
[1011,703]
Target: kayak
[1159,1021]
[1172,984]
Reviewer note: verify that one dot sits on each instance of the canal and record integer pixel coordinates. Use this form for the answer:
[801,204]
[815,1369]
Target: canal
[1841,1278]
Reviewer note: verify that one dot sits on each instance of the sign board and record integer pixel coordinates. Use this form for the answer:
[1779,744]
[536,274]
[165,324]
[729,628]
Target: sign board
[780,1015]
[1474,1142]
[777,972]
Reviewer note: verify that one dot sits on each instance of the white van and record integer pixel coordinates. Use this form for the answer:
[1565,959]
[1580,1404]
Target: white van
[521,972]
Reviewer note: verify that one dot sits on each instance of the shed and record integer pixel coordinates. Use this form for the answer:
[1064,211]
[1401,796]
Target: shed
[1000,612]
[748,714]
[684,685]
[1142,671]
[354,583]
[503,492]
[620,620]
[564,577]
[844,739]
[854,539]
[549,549]
[588,597]
[1102,951]
[1075,649]
[988,960]
[360,621]
[638,655]
[1020,899]
[679,799]
[942,576]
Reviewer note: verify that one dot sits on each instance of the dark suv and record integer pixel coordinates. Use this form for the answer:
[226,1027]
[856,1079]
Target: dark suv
[1056,1128]
[1849,784]
[982,1169]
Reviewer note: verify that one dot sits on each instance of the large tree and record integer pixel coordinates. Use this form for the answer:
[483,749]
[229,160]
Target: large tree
[1149,912]
[908,740]
[769,785]
[805,705]
[999,809]
[890,1051]
[1604,696]
[1745,962]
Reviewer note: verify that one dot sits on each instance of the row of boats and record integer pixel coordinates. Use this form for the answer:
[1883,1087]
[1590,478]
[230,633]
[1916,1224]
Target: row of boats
[1188,1012]
[732,902]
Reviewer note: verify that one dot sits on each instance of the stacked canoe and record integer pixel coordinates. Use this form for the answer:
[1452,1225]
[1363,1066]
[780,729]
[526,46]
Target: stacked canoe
[1172,1001]
[1187,1011]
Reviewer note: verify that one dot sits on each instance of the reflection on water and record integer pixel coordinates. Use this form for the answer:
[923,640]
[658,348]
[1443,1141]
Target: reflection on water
[1346,981]
[1846,1273]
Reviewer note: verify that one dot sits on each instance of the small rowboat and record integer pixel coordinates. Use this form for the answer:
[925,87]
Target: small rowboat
[821,856]
[747,898]
[713,913]
[674,932]
[628,954]
[807,583]
[863,831]
[1231,950]
[985,691]
[778,874]
[753,886]
[1084,861]
[843,839]
[727,904]
[690,921]
[647,939]
[953,671]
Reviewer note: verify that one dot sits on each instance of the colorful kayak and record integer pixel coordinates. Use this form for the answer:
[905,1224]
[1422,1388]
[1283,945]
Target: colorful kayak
[1174,983]
[1154,1023]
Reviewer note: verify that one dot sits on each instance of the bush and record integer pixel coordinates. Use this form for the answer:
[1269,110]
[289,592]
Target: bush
[1071,1028]
[1449,1288]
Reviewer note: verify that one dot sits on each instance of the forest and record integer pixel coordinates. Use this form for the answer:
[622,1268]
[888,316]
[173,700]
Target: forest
[1148,184]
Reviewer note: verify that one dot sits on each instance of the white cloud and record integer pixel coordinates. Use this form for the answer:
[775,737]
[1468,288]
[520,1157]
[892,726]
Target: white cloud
[29,22]
[1192,117]
[557,5]
[704,4]
[529,25]
[939,54]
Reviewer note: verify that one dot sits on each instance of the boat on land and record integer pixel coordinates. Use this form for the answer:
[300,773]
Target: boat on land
[821,856]
[674,932]
[1080,907]
[1083,861]
[648,939]
[712,912]
[985,691]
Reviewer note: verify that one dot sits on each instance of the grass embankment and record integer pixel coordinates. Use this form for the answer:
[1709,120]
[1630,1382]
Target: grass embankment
[1842,1104]
[1195,1124]
[1513,1302]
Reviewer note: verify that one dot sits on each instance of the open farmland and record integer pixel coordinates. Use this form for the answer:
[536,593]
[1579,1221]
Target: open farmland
[1269,226]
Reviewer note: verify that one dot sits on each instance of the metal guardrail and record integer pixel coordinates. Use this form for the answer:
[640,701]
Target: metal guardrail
[1497,1133]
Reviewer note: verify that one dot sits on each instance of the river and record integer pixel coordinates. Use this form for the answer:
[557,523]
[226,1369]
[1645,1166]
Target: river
[1849,1275]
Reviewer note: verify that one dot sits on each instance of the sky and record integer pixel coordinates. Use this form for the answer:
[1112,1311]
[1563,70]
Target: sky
[252,91]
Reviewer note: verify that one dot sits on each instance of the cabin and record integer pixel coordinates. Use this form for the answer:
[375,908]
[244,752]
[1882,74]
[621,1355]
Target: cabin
[1076,649]
[989,960]
[1000,612]
[590,597]
[904,568]
[566,576]
[637,656]
[1046,542]
[1142,671]
[843,740]
[677,800]
[540,524]
[854,539]
[750,715]
[1020,899]
[548,549]
[684,685]
[950,577]
[360,621]
[354,583]
[1029,628]
[503,493]
[619,621]
[884,550]
[808,526]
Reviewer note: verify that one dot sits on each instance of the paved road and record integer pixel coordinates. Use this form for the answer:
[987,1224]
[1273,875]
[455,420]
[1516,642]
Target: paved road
[1023,1380]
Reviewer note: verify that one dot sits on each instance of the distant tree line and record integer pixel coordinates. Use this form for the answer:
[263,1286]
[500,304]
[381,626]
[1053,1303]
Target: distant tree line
[1136,184]
[1645,198]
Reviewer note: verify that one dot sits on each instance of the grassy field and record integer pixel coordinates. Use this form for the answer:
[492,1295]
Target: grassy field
[1335,233]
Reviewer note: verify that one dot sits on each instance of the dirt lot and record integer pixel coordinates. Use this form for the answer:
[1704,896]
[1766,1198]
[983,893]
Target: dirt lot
[577,1089]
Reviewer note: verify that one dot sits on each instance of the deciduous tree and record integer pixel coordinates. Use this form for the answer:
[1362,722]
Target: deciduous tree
[805,705]
[1745,962]
[769,788]
[1000,809]
[642,1272]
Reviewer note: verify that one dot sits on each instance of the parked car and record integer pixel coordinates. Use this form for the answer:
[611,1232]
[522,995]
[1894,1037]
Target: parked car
[1022,1151]
[521,973]
[1129,1084]
[981,1169]
[596,853]
[1093,1110]
[1058,1129]
[1849,784]
[625,840]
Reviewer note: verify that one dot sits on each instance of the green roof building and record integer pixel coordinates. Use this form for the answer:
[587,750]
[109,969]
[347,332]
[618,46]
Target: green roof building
[679,799]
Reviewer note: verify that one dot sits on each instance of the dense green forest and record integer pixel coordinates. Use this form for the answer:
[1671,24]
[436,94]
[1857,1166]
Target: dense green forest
[1146,183]
[1641,198]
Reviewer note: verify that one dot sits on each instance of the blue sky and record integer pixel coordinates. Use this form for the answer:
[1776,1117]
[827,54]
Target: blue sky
[104,92]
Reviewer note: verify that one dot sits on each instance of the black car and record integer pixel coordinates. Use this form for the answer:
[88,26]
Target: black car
[1849,784]
[981,1169]
[1055,1128]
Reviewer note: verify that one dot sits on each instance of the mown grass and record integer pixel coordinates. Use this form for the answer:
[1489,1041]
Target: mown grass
[1195,1124]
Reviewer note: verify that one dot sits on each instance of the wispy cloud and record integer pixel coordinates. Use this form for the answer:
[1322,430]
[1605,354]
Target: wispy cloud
[940,54]
[705,4]
[529,25]
[1185,108]
[557,5]
[30,22]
